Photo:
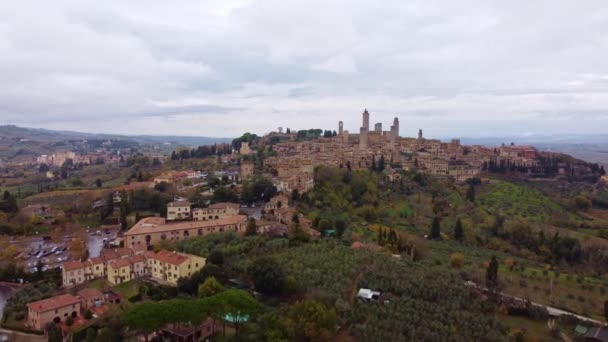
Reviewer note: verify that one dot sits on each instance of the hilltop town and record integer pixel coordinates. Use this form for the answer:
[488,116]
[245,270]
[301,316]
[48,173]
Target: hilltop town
[345,223]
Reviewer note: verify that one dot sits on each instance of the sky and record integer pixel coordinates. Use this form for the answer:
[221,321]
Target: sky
[224,67]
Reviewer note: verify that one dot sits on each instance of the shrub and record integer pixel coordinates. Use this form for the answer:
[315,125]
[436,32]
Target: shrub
[69,321]
[88,314]
[457,260]
[582,202]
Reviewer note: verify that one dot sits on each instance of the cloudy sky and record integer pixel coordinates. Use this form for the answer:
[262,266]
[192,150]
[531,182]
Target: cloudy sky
[222,67]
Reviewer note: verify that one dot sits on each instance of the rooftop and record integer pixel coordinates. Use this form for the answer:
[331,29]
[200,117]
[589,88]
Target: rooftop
[53,303]
[179,204]
[154,225]
[118,263]
[172,258]
[90,293]
[72,265]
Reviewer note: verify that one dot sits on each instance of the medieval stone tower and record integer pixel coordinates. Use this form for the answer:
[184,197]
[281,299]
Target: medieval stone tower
[363,134]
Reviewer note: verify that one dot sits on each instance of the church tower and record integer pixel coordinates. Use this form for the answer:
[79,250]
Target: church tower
[420,134]
[340,127]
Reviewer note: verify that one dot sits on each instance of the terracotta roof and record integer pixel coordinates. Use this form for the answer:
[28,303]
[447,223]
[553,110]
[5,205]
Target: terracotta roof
[108,254]
[223,205]
[118,263]
[137,258]
[73,265]
[179,204]
[151,224]
[53,303]
[90,293]
[96,260]
[172,258]
[124,251]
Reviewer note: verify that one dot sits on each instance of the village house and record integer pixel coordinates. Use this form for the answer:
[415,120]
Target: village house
[164,266]
[152,230]
[78,272]
[278,201]
[168,266]
[90,298]
[178,210]
[216,211]
[55,309]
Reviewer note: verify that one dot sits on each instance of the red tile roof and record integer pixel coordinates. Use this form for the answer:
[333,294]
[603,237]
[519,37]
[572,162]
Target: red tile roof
[137,258]
[118,263]
[73,265]
[223,205]
[53,303]
[96,260]
[156,225]
[172,258]
[89,293]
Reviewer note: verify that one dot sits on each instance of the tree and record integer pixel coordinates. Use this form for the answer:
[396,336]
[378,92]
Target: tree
[123,217]
[91,334]
[471,193]
[43,168]
[458,231]
[381,164]
[69,321]
[88,314]
[209,288]
[252,227]
[98,182]
[492,273]
[606,309]
[312,320]
[267,275]
[54,333]
[237,306]
[216,257]
[435,229]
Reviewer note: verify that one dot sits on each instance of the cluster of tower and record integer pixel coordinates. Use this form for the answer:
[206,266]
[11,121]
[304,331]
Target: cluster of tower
[364,131]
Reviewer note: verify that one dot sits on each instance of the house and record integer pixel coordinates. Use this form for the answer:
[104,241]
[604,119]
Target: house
[153,230]
[178,210]
[367,294]
[188,332]
[170,266]
[73,273]
[119,271]
[90,298]
[277,202]
[54,309]
[274,229]
[216,211]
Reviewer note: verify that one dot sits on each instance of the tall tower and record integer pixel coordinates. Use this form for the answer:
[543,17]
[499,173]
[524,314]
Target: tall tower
[365,119]
[340,127]
[363,137]
[363,133]
[396,125]
[420,134]
[378,127]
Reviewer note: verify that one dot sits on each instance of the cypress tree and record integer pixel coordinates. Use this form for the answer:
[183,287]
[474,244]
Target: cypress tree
[458,231]
[435,229]
[492,273]
[471,193]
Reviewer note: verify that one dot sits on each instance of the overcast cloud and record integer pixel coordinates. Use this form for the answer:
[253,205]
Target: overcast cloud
[222,67]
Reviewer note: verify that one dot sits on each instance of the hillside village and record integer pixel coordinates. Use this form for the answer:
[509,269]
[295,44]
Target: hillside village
[116,235]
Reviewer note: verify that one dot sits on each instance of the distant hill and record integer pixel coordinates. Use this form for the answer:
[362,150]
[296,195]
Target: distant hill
[22,141]
[591,148]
